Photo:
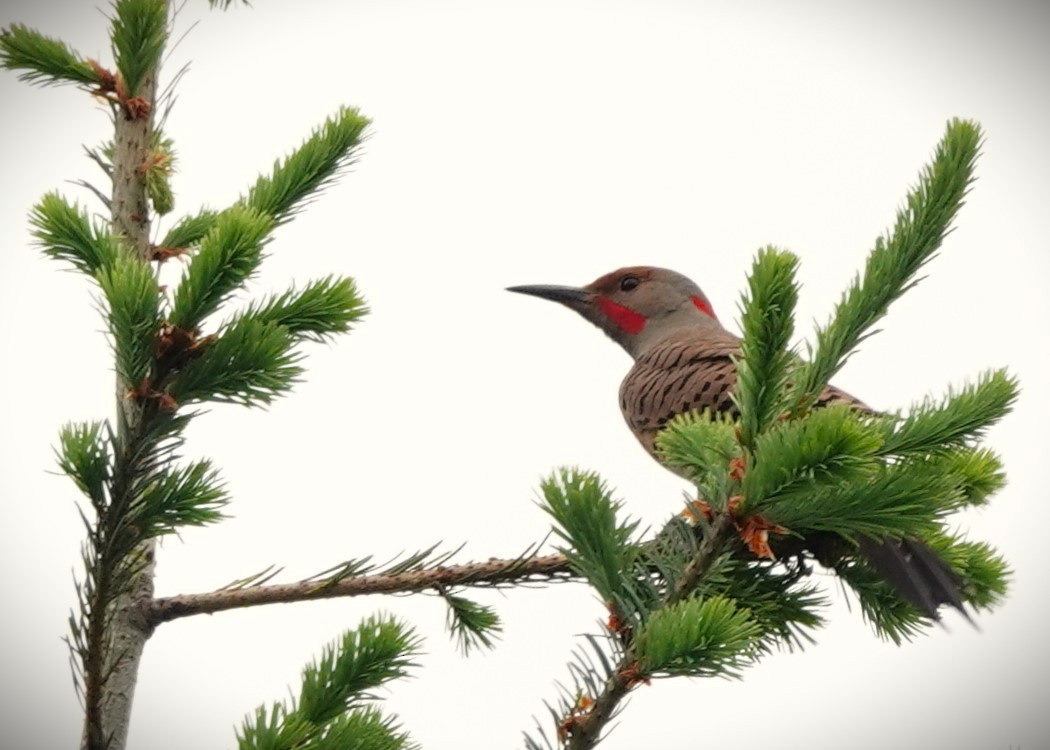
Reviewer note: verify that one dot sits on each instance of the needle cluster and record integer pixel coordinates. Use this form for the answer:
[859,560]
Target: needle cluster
[786,484]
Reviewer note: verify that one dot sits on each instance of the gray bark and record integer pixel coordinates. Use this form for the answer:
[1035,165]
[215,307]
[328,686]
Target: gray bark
[128,626]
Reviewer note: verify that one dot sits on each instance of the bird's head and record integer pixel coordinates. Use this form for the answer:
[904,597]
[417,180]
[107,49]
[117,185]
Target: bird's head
[636,306]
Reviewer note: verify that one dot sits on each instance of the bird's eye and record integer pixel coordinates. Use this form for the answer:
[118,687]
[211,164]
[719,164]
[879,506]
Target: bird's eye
[627,283]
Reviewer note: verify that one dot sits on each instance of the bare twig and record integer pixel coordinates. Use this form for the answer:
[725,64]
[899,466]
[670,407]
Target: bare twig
[491,573]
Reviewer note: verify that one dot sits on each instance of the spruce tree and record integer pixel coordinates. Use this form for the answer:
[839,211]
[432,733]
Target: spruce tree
[710,593]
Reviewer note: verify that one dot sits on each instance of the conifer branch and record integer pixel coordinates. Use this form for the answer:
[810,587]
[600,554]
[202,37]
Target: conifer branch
[714,540]
[229,255]
[64,232]
[133,314]
[709,637]
[921,226]
[43,59]
[701,445]
[293,182]
[839,480]
[491,573]
[472,625]
[655,648]
[649,588]
[190,230]
[767,320]
[359,578]
[335,708]
[962,416]
[158,170]
[320,310]
[139,33]
[313,166]
[250,363]
[599,546]
[83,455]
[832,444]
[692,601]
[895,500]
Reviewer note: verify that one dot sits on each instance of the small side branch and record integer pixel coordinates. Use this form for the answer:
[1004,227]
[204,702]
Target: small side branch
[494,572]
[585,730]
[710,548]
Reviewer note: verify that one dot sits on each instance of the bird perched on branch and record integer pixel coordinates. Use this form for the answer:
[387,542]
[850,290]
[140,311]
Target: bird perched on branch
[683,362]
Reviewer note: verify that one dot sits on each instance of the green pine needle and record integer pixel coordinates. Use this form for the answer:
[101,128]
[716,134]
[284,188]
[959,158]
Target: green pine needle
[473,625]
[83,455]
[895,500]
[976,475]
[161,195]
[275,729]
[250,363]
[701,445]
[42,59]
[139,33]
[300,176]
[891,267]
[182,496]
[767,320]
[829,445]
[322,309]
[959,417]
[985,574]
[785,609]
[819,473]
[698,638]
[229,255]
[379,650]
[311,168]
[363,729]
[891,617]
[985,577]
[158,176]
[333,711]
[189,230]
[133,313]
[64,233]
[601,548]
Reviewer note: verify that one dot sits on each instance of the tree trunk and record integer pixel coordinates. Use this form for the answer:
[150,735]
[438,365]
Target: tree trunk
[128,624]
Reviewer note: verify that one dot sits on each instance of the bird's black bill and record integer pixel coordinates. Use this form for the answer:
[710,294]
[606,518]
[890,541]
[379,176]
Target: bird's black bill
[564,294]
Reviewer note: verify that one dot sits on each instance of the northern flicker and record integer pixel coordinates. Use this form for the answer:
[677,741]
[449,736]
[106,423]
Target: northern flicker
[682,362]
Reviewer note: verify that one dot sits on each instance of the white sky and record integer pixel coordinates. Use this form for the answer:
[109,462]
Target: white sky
[530,142]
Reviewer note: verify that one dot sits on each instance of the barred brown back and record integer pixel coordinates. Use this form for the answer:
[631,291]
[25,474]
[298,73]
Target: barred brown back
[690,370]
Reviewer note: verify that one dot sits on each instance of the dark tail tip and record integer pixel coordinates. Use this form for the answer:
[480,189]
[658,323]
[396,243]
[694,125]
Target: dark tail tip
[917,573]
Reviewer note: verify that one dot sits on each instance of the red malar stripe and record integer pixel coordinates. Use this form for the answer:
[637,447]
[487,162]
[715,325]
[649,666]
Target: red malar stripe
[626,319]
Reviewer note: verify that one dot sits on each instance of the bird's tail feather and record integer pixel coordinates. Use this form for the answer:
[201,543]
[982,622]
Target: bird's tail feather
[915,572]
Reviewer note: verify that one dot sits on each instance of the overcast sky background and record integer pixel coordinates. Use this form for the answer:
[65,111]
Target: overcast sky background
[532,142]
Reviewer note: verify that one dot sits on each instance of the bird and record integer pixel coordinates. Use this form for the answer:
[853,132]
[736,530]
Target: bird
[683,362]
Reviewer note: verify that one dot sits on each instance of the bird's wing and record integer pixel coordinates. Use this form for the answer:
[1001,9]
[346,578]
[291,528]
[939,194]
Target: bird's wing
[682,373]
[690,371]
